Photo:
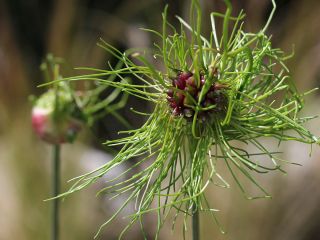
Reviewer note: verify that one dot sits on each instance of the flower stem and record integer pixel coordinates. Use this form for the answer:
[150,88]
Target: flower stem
[55,192]
[195,224]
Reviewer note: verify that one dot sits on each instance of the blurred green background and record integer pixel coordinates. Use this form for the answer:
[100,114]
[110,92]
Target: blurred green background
[70,29]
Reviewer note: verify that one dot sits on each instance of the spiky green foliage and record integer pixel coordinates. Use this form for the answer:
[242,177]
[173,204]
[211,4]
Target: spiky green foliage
[94,107]
[85,103]
[177,157]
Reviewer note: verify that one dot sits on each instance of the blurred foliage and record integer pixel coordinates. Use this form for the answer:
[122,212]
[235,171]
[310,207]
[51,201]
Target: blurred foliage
[70,29]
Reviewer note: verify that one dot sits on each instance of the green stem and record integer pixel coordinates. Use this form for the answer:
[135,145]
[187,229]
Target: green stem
[195,224]
[55,192]
[193,143]
[225,34]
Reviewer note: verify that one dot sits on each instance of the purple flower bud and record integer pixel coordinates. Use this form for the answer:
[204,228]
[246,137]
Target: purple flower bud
[170,99]
[176,111]
[50,131]
[184,76]
[170,93]
[179,98]
[173,104]
[55,126]
[191,82]
[181,84]
[180,103]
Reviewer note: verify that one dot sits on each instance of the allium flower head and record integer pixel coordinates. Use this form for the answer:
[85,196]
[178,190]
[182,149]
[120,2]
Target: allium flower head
[212,93]
[183,99]
[59,114]
[53,116]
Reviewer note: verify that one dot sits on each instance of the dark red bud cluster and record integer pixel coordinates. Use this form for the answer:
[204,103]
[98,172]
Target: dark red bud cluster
[184,84]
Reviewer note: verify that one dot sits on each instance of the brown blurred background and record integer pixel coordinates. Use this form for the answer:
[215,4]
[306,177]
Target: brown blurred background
[70,29]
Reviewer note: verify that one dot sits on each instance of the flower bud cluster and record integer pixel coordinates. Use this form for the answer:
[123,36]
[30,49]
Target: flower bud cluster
[55,125]
[184,97]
